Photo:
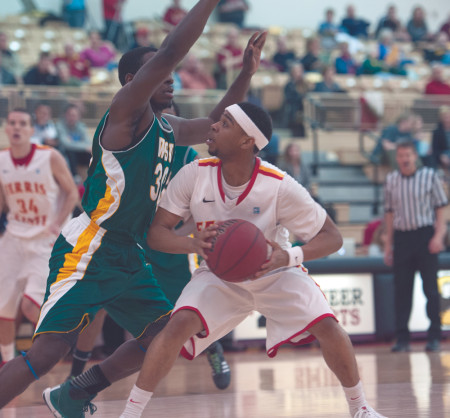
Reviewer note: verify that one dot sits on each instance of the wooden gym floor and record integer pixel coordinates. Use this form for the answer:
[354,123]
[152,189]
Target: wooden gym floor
[296,383]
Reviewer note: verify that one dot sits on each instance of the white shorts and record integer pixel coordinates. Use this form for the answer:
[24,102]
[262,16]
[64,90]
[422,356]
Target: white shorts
[289,298]
[24,271]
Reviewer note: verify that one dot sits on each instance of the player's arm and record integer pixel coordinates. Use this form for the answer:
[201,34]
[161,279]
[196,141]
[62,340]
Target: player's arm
[133,98]
[161,237]
[195,131]
[65,181]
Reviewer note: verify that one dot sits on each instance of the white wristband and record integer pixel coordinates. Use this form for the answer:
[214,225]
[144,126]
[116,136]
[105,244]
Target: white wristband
[295,256]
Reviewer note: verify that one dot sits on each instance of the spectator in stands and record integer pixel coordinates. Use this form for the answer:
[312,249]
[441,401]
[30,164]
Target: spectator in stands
[5,76]
[294,93]
[328,28]
[10,60]
[74,13]
[345,64]
[328,84]
[232,11]
[446,27]
[439,51]
[391,21]
[417,26]
[193,74]
[43,73]
[78,67]
[142,37]
[420,140]
[441,141]
[415,230]
[283,56]
[293,165]
[384,150]
[45,132]
[99,53]
[354,26]
[390,52]
[229,57]
[373,65]
[311,61]
[437,84]
[112,13]
[73,137]
[174,13]
[65,78]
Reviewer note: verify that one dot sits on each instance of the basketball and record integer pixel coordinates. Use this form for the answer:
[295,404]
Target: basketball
[238,250]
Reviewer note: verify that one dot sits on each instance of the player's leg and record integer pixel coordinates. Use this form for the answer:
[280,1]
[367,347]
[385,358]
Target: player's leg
[85,344]
[7,337]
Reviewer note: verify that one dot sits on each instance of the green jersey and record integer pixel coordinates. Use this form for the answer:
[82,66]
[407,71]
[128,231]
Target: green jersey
[123,187]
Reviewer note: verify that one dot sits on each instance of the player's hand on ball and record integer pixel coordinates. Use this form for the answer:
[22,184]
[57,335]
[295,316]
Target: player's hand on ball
[252,53]
[200,240]
[279,258]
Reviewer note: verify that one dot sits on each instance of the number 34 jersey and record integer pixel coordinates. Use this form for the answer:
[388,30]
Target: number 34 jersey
[30,190]
[123,187]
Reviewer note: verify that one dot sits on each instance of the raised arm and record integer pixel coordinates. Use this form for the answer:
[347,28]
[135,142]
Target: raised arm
[135,95]
[195,131]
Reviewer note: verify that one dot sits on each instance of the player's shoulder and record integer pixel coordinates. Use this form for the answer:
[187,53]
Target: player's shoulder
[270,170]
[208,162]
[44,148]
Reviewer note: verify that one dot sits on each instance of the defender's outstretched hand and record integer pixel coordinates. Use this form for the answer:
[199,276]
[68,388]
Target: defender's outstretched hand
[252,53]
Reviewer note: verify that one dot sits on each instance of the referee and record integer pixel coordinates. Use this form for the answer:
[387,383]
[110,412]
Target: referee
[415,226]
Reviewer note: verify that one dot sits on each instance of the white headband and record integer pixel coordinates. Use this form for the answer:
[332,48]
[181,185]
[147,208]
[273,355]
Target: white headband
[247,125]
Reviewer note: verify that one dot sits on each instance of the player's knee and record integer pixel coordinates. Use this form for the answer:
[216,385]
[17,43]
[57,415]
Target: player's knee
[327,328]
[183,324]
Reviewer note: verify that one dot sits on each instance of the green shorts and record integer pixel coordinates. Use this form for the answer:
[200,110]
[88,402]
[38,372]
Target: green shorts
[91,269]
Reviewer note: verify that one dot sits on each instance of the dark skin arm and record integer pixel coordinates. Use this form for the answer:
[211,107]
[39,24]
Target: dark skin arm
[130,109]
[195,131]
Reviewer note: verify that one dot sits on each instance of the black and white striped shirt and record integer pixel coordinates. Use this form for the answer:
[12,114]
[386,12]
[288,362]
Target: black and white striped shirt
[413,199]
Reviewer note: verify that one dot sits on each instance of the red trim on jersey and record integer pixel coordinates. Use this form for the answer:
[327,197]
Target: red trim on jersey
[272,352]
[266,171]
[7,319]
[214,162]
[32,300]
[219,182]
[25,160]
[183,351]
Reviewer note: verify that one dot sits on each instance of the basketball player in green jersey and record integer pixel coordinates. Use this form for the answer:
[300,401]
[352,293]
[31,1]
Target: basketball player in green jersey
[96,261]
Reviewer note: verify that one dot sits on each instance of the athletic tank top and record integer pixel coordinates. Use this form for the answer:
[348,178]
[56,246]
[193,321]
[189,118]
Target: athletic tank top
[123,188]
[30,190]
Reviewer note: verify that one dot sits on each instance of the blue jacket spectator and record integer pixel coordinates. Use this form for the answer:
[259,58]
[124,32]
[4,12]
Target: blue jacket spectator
[328,28]
[417,27]
[345,64]
[354,26]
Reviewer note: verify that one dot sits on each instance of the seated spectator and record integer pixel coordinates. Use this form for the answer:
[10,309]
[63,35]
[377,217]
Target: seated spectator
[384,150]
[446,27]
[437,84]
[193,75]
[373,65]
[283,56]
[45,132]
[5,76]
[328,28]
[74,13]
[174,14]
[78,67]
[232,11]
[294,93]
[229,58]
[345,64]
[10,60]
[293,165]
[74,140]
[390,21]
[390,52]
[439,52]
[99,53]
[65,78]
[417,27]
[354,26]
[311,61]
[43,73]
[142,37]
[328,85]
[441,140]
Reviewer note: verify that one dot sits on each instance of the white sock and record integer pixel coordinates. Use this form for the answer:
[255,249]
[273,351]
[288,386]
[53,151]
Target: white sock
[7,351]
[355,398]
[136,403]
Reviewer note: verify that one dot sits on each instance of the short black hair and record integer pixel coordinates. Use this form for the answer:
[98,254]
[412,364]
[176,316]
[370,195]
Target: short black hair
[131,61]
[259,116]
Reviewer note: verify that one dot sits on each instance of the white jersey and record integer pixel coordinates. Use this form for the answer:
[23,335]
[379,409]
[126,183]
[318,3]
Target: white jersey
[30,190]
[272,200]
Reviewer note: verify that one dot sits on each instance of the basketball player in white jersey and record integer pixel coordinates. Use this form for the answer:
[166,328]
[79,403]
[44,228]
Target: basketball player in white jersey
[37,190]
[237,184]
